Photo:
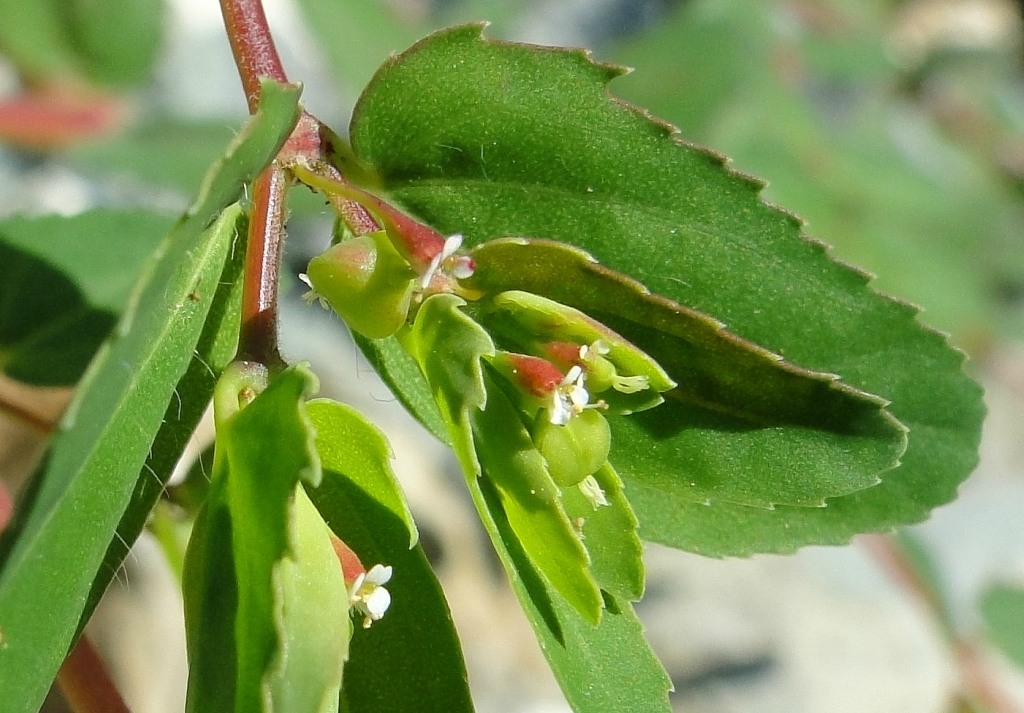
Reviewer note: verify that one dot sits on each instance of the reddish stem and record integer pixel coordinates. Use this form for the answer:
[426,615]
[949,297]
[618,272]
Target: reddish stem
[253,46]
[258,339]
[40,424]
[86,683]
[977,681]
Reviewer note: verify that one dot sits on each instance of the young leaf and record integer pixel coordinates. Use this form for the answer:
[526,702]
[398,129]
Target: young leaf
[491,441]
[1002,607]
[350,446]
[531,501]
[607,667]
[836,439]
[491,139]
[88,478]
[448,345]
[415,643]
[609,533]
[265,600]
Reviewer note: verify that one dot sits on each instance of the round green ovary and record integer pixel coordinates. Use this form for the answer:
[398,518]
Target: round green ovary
[575,450]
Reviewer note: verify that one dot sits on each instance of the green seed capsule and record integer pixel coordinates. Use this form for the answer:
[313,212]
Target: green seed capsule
[366,282]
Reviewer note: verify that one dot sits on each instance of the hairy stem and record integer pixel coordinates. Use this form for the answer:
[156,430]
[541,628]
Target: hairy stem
[258,339]
[253,46]
[86,684]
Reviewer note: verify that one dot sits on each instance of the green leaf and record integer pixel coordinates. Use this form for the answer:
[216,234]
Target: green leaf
[403,376]
[447,346]
[350,445]
[1002,607]
[491,140]
[88,478]
[62,283]
[607,667]
[266,605]
[836,438]
[118,40]
[214,351]
[609,533]
[532,501]
[415,643]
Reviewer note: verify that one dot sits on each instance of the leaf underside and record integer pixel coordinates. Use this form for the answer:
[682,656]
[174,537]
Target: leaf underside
[494,140]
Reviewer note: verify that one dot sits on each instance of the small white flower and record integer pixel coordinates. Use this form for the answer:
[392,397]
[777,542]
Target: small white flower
[462,268]
[368,596]
[593,492]
[622,384]
[312,294]
[570,397]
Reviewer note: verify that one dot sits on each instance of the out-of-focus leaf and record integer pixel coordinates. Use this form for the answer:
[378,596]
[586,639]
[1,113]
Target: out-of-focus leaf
[63,283]
[34,37]
[812,108]
[48,333]
[112,42]
[175,154]
[87,481]
[118,40]
[359,34]
[101,251]
[1002,607]
[494,140]
[416,641]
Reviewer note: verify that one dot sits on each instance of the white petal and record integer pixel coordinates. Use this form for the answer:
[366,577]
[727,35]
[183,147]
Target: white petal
[561,412]
[379,574]
[377,602]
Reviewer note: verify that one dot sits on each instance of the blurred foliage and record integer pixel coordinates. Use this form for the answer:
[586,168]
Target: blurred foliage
[907,168]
